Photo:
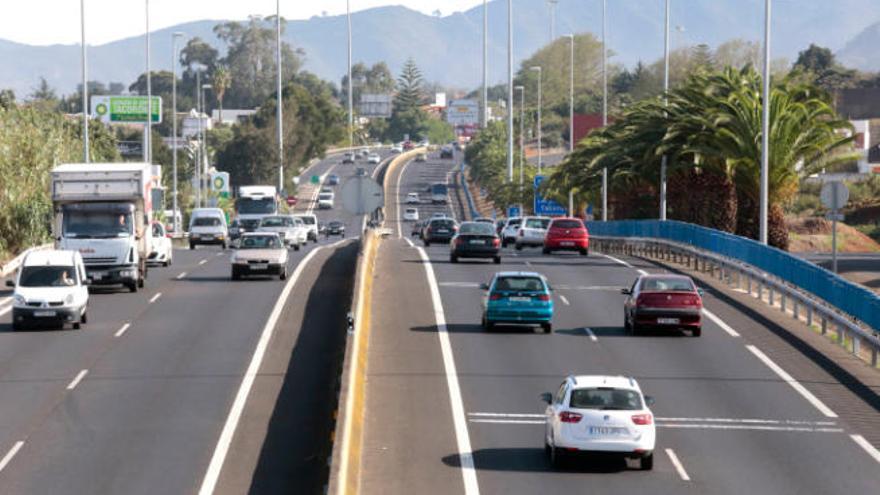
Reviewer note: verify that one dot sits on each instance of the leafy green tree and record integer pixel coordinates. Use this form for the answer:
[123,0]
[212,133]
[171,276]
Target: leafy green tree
[409,87]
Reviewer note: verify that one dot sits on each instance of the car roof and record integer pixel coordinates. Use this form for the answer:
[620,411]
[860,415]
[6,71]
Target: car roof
[519,274]
[51,257]
[615,381]
[538,217]
[259,234]
[666,275]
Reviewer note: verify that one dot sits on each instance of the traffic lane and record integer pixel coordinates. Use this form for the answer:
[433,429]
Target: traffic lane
[672,369]
[408,426]
[284,437]
[353,223]
[37,365]
[147,415]
[417,177]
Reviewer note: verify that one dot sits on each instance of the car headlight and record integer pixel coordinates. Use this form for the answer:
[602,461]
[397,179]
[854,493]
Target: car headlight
[19,300]
[68,300]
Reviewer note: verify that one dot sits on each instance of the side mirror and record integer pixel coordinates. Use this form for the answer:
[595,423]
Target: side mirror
[626,292]
[649,400]
[10,283]
[547,397]
[484,286]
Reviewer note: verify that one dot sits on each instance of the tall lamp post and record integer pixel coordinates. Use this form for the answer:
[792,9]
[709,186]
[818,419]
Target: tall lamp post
[279,112]
[522,151]
[85,82]
[571,95]
[765,127]
[350,82]
[540,144]
[485,63]
[604,104]
[509,90]
[174,140]
[552,4]
[203,183]
[148,150]
[664,159]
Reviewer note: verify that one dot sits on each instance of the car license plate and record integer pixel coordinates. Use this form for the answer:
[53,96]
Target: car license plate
[207,237]
[261,266]
[520,299]
[668,321]
[44,314]
[566,243]
[97,275]
[480,242]
[442,231]
[605,430]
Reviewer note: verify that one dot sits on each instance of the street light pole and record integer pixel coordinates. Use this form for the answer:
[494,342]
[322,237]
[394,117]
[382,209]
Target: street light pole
[604,104]
[509,90]
[485,63]
[174,139]
[350,82]
[664,159]
[197,167]
[571,96]
[765,127]
[280,111]
[522,154]
[204,164]
[148,151]
[552,4]
[538,69]
[85,90]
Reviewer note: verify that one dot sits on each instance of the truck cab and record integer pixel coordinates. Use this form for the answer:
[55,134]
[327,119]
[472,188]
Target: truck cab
[253,204]
[103,211]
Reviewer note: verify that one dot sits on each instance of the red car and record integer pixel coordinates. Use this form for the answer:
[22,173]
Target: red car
[408,145]
[567,234]
[663,301]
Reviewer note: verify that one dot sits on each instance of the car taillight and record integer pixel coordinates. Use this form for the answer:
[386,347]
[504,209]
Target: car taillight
[642,419]
[459,241]
[570,417]
[544,297]
[495,297]
[496,242]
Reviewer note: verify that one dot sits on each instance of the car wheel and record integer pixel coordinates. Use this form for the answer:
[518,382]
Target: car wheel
[547,327]
[556,459]
[427,243]
[647,462]
[634,328]
[141,282]
[296,247]
[585,252]
[17,327]
[133,287]
[236,275]
[283,275]
[504,243]
[545,251]
[626,326]
[697,332]
[497,260]
[192,246]
[77,326]
[85,317]
[453,258]
[518,247]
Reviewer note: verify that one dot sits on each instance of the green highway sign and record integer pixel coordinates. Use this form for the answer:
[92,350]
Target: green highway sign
[316,179]
[114,109]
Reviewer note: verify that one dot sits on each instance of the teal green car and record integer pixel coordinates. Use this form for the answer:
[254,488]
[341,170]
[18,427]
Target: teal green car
[518,298]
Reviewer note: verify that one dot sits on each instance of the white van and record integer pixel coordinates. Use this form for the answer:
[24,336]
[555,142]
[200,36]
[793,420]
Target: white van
[311,222]
[50,288]
[208,226]
[325,201]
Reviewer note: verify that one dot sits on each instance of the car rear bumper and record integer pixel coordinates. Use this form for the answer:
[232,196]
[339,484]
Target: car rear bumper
[567,244]
[630,447]
[529,241]
[525,316]
[439,238]
[687,318]
[476,252]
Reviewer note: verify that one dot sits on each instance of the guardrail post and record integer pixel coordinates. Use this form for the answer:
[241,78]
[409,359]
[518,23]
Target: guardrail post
[809,316]
[794,308]
[760,290]
[749,284]
[824,325]
[782,301]
[873,357]
[770,295]
[856,344]
[840,339]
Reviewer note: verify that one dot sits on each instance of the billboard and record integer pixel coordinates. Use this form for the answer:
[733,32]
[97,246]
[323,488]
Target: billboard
[375,106]
[463,112]
[116,109]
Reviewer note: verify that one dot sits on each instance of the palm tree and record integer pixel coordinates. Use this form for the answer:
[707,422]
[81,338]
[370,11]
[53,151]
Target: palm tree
[221,81]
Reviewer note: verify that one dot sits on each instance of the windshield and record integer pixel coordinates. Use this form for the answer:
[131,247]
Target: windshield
[667,284]
[442,224]
[47,276]
[567,224]
[276,222]
[478,228]
[256,206]
[325,196]
[206,222]
[439,189]
[308,220]
[537,223]
[514,222]
[606,399]
[97,224]
[527,284]
[260,242]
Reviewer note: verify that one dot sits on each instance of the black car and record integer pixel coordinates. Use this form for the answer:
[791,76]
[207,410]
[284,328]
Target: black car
[475,240]
[235,230]
[447,152]
[439,230]
[335,227]
[348,159]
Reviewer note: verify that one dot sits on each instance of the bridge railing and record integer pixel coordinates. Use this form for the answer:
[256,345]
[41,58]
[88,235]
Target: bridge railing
[846,302]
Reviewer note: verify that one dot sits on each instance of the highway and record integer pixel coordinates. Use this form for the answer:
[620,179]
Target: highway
[746,408]
[193,382]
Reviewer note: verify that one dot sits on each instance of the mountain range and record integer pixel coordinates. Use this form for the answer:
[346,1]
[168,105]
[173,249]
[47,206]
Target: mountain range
[448,48]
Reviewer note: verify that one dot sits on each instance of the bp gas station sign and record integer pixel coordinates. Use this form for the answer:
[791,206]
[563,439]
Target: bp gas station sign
[220,183]
[118,109]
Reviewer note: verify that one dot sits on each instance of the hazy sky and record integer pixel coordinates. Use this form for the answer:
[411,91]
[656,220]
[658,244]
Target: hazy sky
[45,22]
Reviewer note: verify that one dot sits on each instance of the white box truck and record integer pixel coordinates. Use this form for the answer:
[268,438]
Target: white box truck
[253,204]
[103,210]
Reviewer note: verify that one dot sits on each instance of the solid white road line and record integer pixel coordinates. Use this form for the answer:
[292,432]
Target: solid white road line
[203,261]
[465,454]
[508,421]
[155,298]
[678,466]
[589,331]
[397,198]
[617,260]
[747,421]
[79,376]
[699,426]
[505,415]
[122,330]
[812,399]
[718,321]
[860,440]
[564,300]
[408,241]
[209,482]
[9,455]
[180,277]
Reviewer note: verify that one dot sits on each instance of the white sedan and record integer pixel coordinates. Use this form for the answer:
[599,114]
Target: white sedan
[413,198]
[595,413]
[161,251]
[411,214]
[374,158]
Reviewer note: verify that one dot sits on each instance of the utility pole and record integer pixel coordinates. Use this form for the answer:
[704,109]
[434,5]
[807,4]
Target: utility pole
[485,63]
[175,143]
[148,150]
[571,97]
[85,90]
[604,103]
[664,159]
[522,151]
[540,144]
[350,81]
[197,168]
[280,111]
[765,128]
[509,90]
[205,181]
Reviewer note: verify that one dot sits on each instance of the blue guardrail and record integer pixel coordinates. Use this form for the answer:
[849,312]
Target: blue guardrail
[467,193]
[848,297]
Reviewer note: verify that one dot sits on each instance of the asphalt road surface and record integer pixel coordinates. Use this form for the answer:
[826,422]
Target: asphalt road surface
[454,409]
[136,402]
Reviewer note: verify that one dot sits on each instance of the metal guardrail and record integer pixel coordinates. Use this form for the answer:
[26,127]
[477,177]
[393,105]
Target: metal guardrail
[852,330]
[467,193]
[13,264]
